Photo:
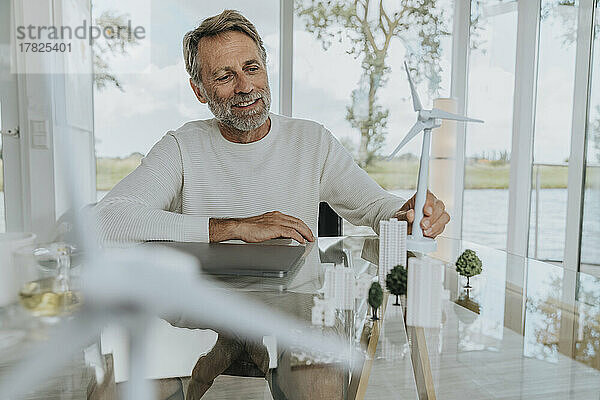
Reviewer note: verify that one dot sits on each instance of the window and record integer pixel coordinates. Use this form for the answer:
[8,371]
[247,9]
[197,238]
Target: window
[338,83]
[590,237]
[491,81]
[2,218]
[156,96]
[552,137]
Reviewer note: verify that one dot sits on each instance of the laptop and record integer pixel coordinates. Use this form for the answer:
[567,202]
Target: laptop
[259,260]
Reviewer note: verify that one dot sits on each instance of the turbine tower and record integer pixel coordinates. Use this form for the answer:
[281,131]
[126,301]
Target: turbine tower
[426,121]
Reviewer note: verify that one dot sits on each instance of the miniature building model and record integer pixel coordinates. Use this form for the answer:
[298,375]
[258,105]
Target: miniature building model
[340,286]
[392,246]
[423,295]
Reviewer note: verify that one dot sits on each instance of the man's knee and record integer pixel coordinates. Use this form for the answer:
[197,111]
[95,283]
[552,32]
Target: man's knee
[259,355]
[217,360]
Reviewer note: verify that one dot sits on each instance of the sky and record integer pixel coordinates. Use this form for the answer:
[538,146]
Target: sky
[157,97]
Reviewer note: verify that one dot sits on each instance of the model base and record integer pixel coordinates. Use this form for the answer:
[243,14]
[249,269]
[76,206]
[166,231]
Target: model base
[421,245]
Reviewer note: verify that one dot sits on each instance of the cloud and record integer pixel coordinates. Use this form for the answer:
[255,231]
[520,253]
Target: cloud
[154,101]
[324,80]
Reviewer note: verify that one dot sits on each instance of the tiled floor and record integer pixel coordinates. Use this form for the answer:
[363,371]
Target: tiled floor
[233,387]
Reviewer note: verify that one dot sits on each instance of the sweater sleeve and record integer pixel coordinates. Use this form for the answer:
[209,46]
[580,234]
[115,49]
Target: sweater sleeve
[349,190]
[142,206]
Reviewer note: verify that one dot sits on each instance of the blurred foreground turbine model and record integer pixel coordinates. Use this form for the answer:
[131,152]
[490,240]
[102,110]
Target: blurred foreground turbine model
[426,121]
[129,286]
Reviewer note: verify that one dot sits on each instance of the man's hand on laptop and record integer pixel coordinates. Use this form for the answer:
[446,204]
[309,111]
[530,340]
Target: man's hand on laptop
[271,225]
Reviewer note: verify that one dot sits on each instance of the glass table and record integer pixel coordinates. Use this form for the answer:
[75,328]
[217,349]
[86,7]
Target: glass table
[300,372]
[526,330]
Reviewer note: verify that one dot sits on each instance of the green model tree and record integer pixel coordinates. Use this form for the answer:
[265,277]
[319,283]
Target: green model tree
[375,298]
[395,281]
[370,27]
[468,264]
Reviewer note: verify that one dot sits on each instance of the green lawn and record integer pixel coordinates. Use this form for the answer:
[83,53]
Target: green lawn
[391,175]
[395,174]
[481,175]
[109,171]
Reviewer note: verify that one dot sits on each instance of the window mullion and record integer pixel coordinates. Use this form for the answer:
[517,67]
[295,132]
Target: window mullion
[585,39]
[286,56]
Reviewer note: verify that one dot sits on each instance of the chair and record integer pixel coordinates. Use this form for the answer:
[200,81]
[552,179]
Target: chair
[330,224]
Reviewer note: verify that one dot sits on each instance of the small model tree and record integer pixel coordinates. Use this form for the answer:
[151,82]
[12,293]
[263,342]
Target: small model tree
[395,281]
[468,264]
[375,298]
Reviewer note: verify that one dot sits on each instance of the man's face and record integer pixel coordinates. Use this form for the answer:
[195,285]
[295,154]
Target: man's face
[235,80]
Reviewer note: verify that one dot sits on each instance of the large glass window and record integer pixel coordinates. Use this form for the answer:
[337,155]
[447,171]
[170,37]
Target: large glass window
[2,212]
[554,109]
[156,97]
[349,76]
[590,238]
[491,83]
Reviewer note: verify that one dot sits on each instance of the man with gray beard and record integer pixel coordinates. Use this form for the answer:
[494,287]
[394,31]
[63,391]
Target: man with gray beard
[246,174]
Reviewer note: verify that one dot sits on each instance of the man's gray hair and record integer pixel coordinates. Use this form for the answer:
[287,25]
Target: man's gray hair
[228,20]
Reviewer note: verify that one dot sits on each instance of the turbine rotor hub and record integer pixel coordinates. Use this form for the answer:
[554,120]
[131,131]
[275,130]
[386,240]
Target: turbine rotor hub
[424,115]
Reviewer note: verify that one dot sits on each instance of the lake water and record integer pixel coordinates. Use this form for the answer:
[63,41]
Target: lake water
[486,213]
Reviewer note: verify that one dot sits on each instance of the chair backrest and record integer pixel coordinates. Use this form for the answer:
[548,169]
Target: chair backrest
[330,224]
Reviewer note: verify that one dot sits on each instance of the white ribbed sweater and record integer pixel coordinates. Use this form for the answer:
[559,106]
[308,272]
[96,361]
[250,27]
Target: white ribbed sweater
[194,173]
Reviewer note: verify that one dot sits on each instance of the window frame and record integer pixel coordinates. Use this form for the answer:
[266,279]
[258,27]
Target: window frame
[577,156]
[524,119]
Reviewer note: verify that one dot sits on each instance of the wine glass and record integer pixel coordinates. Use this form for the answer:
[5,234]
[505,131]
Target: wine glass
[47,285]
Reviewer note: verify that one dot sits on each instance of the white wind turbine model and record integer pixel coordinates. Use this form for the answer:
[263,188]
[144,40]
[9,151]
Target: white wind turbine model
[426,121]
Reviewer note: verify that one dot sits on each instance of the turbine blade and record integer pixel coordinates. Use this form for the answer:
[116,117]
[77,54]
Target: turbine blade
[138,386]
[415,96]
[417,127]
[437,113]
[84,225]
